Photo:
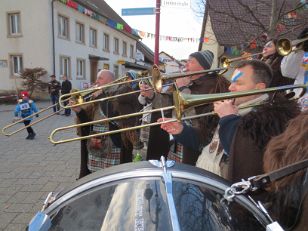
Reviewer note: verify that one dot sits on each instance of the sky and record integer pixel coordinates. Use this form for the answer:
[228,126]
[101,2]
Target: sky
[174,21]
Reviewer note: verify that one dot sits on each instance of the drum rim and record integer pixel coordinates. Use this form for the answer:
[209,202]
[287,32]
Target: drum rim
[145,169]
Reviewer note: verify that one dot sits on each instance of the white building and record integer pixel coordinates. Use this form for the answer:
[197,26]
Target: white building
[73,38]
[171,64]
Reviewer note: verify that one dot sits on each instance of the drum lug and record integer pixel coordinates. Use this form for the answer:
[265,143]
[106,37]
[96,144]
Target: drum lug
[274,227]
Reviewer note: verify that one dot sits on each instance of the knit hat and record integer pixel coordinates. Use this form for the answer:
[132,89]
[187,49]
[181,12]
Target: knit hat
[205,58]
[131,74]
[24,94]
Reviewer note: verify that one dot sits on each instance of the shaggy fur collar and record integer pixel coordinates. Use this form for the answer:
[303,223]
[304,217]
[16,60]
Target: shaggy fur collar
[269,120]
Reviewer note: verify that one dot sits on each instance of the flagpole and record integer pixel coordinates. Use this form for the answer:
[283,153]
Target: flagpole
[157,13]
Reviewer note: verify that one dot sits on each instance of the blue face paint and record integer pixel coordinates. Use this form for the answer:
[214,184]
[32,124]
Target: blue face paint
[237,74]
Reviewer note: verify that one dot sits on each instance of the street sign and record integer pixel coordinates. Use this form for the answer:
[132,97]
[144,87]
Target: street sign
[138,11]
[176,3]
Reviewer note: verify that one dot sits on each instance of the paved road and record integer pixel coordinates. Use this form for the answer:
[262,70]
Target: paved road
[30,169]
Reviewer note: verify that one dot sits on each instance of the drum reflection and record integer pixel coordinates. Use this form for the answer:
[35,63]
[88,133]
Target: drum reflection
[134,197]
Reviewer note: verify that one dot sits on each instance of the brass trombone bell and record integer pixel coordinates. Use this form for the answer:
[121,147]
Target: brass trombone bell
[181,103]
[284,47]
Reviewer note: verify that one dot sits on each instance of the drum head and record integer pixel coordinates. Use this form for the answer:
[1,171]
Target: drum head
[134,197]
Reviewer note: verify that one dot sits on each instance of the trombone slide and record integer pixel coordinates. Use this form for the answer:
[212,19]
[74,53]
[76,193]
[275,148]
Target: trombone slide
[181,102]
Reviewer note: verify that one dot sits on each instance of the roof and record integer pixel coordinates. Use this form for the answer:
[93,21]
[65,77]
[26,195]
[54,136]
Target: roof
[171,57]
[236,22]
[147,52]
[136,66]
[102,8]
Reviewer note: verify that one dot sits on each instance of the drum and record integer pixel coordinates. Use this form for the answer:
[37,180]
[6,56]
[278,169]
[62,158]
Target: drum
[149,195]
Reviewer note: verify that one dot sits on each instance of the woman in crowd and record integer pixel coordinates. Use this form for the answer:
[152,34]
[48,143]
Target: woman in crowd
[272,58]
[288,196]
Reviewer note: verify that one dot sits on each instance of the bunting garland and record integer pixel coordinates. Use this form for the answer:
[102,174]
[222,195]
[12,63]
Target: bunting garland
[118,26]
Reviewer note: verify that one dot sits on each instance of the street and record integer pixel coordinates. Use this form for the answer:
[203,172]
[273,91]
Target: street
[30,169]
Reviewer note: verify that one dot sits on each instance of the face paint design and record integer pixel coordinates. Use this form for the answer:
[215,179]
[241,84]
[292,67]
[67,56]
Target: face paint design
[237,74]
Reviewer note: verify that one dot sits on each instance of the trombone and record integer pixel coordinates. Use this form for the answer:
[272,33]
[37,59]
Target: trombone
[181,103]
[284,47]
[157,80]
[4,129]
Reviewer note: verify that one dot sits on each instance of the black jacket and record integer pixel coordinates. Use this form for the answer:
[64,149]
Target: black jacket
[66,87]
[54,87]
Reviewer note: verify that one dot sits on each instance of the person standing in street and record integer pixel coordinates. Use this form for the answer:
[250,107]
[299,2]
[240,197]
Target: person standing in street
[54,88]
[24,108]
[66,88]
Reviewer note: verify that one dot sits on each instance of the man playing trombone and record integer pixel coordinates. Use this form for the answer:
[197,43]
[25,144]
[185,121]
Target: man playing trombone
[246,125]
[195,84]
[103,151]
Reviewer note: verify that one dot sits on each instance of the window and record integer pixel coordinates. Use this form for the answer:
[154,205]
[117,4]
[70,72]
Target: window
[131,51]
[63,26]
[93,37]
[124,49]
[79,32]
[16,64]
[106,42]
[65,66]
[14,28]
[116,71]
[81,65]
[116,46]
[106,66]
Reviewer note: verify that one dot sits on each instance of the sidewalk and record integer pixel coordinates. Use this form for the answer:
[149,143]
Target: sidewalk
[30,169]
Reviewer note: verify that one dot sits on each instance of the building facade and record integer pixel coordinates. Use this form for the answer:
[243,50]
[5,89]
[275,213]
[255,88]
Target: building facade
[73,38]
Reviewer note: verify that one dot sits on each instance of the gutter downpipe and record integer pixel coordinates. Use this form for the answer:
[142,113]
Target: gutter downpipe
[53,37]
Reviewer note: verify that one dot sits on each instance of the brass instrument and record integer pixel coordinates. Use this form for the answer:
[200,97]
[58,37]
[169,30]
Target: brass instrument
[181,103]
[226,63]
[283,47]
[157,80]
[4,132]
[80,96]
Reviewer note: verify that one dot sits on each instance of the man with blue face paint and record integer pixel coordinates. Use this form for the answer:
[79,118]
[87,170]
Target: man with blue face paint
[236,150]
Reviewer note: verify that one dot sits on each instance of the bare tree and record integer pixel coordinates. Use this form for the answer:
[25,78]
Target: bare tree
[247,20]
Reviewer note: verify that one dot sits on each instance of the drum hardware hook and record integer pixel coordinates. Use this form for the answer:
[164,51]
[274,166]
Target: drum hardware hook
[157,163]
[49,199]
[237,189]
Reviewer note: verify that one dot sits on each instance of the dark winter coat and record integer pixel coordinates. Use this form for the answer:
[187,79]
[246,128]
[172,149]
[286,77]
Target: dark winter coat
[252,134]
[66,87]
[125,105]
[278,79]
[54,87]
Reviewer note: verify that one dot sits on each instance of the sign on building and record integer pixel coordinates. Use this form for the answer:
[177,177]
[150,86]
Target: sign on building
[176,3]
